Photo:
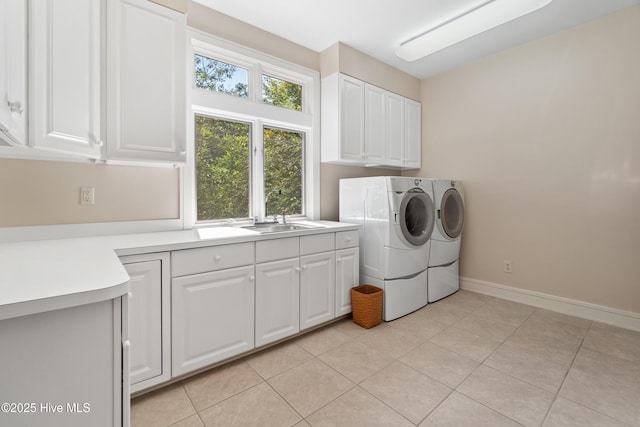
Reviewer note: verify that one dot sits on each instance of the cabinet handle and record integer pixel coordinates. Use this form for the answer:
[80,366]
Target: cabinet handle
[297,268]
[339,260]
[217,258]
[304,267]
[15,106]
[348,239]
[252,278]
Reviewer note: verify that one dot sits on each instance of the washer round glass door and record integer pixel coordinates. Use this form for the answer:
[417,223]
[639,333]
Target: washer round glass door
[416,217]
[452,213]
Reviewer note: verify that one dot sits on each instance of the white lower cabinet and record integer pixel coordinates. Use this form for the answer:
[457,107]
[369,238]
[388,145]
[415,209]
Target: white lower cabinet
[149,310]
[347,276]
[317,289]
[277,300]
[212,317]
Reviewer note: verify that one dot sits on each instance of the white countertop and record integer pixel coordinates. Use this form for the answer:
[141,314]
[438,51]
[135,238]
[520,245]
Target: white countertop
[45,275]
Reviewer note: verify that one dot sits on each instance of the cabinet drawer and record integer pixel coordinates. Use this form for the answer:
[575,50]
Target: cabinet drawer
[346,239]
[317,243]
[272,250]
[201,260]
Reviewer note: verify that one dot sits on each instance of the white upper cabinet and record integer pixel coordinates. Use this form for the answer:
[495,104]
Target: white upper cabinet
[65,89]
[146,86]
[413,134]
[364,125]
[374,124]
[342,119]
[395,131]
[13,72]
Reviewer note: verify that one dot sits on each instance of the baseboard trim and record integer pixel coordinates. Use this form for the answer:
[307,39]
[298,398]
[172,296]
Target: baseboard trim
[598,313]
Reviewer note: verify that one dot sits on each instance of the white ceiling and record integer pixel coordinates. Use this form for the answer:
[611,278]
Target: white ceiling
[378,27]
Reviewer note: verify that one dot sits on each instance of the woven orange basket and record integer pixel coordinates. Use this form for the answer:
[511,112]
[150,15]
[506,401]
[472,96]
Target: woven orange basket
[366,304]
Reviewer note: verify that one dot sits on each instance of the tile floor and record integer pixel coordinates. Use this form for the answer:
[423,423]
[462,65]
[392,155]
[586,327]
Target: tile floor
[467,360]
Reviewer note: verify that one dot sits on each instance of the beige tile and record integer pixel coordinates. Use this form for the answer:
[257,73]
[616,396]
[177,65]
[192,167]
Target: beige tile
[161,407]
[443,312]
[357,408]
[324,339]
[258,406]
[469,301]
[348,327]
[521,364]
[466,344]
[554,329]
[310,386]
[520,401]
[504,311]
[418,325]
[390,341]
[607,384]
[192,421]
[439,363]
[565,413]
[278,359]
[459,410]
[302,423]
[220,383]
[538,343]
[554,316]
[481,326]
[406,390]
[355,360]
[622,343]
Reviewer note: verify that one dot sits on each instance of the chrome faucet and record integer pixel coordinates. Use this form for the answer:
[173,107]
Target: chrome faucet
[266,205]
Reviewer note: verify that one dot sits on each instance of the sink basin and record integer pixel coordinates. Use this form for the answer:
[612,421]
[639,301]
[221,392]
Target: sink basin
[276,228]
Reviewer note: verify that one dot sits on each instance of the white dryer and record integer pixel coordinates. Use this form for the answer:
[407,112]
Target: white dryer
[397,216]
[446,238]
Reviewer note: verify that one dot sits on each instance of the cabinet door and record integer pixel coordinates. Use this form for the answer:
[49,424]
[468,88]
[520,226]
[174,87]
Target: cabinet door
[413,137]
[317,289]
[146,82]
[347,276]
[13,71]
[277,300]
[395,129]
[149,330]
[212,317]
[66,45]
[351,119]
[374,124]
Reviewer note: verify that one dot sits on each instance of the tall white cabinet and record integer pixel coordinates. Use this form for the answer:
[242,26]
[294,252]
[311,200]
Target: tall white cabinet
[66,41]
[13,72]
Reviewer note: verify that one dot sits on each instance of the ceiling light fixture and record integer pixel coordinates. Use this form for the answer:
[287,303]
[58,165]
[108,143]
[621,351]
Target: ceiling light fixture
[481,19]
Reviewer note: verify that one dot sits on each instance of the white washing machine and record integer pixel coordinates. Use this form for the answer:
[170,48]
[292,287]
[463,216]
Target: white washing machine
[446,238]
[397,216]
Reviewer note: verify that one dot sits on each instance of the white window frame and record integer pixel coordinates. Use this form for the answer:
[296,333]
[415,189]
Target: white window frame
[255,111]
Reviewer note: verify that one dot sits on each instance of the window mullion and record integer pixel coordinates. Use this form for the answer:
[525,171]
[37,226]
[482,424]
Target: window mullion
[257,177]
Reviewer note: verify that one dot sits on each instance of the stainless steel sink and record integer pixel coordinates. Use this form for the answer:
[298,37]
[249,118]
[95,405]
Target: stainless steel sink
[276,228]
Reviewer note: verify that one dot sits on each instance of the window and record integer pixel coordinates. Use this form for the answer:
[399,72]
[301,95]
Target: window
[220,76]
[255,152]
[281,93]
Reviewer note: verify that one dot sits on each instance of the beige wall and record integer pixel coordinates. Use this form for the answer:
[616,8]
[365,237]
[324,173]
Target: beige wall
[215,23]
[546,138]
[44,193]
[345,59]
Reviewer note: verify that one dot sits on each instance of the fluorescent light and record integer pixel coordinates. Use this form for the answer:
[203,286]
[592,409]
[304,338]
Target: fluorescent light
[490,15]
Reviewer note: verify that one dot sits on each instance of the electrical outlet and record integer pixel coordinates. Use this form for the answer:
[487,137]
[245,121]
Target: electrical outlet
[87,196]
[508,266]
